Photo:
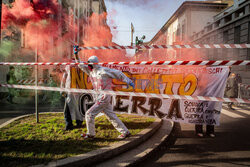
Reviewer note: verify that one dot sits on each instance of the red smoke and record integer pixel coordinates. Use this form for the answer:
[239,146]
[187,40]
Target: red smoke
[24,11]
[171,54]
[98,33]
[43,23]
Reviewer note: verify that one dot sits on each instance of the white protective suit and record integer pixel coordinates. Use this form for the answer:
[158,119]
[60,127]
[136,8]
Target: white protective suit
[72,98]
[101,78]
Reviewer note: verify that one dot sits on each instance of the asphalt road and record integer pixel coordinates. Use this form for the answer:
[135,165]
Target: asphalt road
[230,147]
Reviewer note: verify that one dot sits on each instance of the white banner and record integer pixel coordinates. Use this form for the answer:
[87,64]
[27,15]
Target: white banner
[180,80]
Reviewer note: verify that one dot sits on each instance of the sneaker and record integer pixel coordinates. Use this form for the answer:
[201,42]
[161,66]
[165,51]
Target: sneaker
[212,135]
[124,135]
[69,127]
[87,136]
[78,126]
[199,134]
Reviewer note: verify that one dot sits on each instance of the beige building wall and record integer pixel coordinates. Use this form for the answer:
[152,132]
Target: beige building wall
[199,19]
[191,17]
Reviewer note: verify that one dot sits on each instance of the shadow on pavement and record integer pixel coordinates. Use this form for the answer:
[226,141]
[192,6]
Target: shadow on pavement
[231,146]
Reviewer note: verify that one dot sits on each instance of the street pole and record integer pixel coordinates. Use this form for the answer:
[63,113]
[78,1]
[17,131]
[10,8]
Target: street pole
[78,22]
[131,38]
[36,80]
[1,21]
[132,33]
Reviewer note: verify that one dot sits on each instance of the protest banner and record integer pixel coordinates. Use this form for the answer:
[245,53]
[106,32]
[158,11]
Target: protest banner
[179,80]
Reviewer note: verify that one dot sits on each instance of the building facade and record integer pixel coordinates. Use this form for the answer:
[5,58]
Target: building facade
[189,18]
[230,26]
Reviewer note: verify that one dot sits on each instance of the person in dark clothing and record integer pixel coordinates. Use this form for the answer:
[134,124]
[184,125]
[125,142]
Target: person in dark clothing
[232,88]
[67,116]
[209,130]
[70,108]
[11,79]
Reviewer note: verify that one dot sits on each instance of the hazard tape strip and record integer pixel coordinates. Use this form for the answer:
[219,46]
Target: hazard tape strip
[31,81]
[165,96]
[200,46]
[244,86]
[211,63]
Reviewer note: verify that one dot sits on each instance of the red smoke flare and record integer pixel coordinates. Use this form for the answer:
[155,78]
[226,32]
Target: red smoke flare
[98,33]
[24,11]
[43,24]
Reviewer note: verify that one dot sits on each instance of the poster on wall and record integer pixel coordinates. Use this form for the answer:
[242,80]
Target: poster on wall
[180,80]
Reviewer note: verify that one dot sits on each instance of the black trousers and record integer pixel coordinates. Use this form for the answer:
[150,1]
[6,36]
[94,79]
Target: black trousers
[209,129]
[67,116]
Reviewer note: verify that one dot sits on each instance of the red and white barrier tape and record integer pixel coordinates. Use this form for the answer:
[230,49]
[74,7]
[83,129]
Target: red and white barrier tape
[31,81]
[244,86]
[165,96]
[212,63]
[200,46]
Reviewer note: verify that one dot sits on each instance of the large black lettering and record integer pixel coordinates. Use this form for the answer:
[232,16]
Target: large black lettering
[174,110]
[155,105]
[118,106]
[141,101]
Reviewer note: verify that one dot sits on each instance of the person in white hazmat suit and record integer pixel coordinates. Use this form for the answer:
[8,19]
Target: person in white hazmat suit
[101,78]
[71,103]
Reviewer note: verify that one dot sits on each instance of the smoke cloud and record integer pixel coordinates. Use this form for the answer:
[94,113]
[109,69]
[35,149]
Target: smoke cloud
[43,24]
[99,34]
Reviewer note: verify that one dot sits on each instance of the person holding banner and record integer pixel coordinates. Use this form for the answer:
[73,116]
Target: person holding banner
[101,78]
[231,89]
[213,108]
[11,79]
[209,130]
[70,107]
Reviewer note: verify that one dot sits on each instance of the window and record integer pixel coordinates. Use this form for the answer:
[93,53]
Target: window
[237,39]
[216,24]
[183,32]
[209,28]
[22,38]
[248,32]
[248,50]
[225,36]
[240,12]
[228,18]
[237,35]
[207,50]
[45,73]
[225,40]
[178,32]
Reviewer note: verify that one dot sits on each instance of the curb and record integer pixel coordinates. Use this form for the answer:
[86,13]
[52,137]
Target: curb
[149,152]
[105,153]
[19,117]
[13,119]
[166,141]
[138,154]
